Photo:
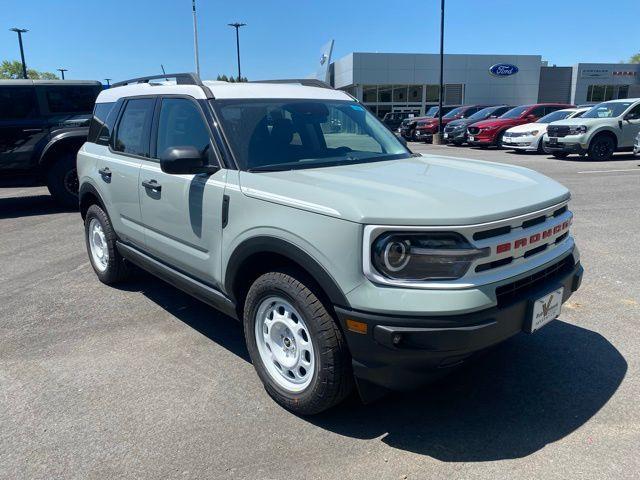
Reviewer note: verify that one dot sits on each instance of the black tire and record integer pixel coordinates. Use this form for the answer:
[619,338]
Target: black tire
[560,155]
[499,140]
[62,180]
[117,269]
[457,143]
[601,148]
[332,379]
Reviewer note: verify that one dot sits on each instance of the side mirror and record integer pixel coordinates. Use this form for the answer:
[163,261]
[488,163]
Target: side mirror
[184,160]
[632,116]
[531,117]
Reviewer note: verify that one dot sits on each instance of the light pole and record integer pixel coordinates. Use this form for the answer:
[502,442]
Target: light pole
[195,37]
[438,139]
[20,31]
[237,27]
[62,70]
[108,80]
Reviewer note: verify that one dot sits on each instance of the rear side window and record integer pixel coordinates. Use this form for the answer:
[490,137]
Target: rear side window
[101,123]
[134,128]
[71,99]
[18,103]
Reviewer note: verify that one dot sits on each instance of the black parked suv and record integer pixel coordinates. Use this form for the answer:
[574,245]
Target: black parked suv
[43,124]
[393,119]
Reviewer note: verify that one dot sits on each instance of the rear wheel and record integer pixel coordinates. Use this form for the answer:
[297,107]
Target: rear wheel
[62,180]
[601,148]
[295,345]
[100,238]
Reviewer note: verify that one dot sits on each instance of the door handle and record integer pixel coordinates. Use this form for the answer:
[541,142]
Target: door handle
[152,185]
[105,173]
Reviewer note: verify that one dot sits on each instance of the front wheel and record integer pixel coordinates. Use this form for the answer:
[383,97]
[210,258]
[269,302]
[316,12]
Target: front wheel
[295,345]
[601,148]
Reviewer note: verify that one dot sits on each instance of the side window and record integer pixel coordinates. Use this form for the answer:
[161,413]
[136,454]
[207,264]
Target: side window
[18,103]
[134,128]
[634,113]
[71,99]
[538,112]
[470,111]
[551,109]
[181,125]
[100,126]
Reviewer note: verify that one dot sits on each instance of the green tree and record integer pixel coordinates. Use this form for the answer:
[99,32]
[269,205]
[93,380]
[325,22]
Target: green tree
[13,70]
[231,79]
[635,58]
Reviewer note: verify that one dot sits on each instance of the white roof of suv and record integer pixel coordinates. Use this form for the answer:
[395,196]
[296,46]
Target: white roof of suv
[223,90]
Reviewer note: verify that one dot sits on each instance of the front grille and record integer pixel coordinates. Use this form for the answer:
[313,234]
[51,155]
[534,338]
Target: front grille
[474,130]
[511,292]
[558,130]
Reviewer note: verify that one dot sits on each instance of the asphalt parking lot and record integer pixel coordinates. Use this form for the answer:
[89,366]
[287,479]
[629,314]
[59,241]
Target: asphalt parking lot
[145,382]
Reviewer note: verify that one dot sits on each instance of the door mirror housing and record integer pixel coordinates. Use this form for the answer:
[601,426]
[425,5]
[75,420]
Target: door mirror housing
[184,160]
[632,116]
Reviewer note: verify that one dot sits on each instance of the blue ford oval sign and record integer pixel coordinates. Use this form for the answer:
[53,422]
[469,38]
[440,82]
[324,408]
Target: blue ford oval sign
[503,69]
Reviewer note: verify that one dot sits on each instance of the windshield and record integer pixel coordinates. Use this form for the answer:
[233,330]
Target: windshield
[432,112]
[607,110]
[270,135]
[454,112]
[515,112]
[484,113]
[554,116]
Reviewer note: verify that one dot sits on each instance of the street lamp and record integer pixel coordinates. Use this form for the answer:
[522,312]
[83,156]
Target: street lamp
[20,31]
[440,129]
[237,27]
[108,80]
[62,70]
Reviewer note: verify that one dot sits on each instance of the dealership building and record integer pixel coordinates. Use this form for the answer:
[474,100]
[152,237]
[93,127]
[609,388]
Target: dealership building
[387,82]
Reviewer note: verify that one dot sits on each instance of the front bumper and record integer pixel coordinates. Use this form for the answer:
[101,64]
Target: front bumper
[564,147]
[423,135]
[455,136]
[520,143]
[404,352]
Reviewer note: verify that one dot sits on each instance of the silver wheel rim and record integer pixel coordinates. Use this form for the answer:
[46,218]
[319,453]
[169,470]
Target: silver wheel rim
[98,245]
[285,345]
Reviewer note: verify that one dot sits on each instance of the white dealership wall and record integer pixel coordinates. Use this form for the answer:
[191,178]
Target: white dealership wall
[609,74]
[480,86]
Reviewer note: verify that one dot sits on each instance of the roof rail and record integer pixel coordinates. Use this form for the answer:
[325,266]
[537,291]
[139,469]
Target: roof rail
[180,78]
[307,82]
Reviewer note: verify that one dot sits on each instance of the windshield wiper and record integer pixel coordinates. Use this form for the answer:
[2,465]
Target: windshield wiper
[271,168]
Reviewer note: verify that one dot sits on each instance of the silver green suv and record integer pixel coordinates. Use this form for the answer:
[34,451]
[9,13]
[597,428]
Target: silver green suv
[606,128]
[351,261]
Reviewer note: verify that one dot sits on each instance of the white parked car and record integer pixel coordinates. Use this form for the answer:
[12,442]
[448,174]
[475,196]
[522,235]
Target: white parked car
[528,137]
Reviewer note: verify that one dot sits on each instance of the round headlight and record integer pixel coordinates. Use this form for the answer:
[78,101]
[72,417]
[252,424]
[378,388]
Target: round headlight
[396,255]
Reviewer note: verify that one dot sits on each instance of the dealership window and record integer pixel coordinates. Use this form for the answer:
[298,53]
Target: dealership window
[400,93]
[384,93]
[433,93]
[601,93]
[370,93]
[415,93]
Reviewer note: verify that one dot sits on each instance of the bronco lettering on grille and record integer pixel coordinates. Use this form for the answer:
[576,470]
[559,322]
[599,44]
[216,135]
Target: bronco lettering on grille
[534,238]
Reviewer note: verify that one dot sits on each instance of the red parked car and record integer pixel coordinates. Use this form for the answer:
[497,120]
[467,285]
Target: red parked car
[489,132]
[425,128]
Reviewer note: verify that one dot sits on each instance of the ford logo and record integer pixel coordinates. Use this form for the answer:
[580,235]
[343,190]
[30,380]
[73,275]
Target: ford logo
[503,69]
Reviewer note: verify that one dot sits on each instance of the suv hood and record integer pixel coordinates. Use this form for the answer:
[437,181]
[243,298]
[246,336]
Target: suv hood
[585,121]
[528,127]
[422,190]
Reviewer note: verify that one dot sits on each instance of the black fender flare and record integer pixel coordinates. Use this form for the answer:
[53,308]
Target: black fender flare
[88,189]
[77,134]
[267,244]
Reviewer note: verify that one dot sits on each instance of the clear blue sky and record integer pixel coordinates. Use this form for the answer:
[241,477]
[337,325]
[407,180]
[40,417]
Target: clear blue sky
[128,38]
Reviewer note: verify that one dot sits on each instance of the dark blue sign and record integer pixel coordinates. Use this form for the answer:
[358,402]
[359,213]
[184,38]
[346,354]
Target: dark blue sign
[503,69]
